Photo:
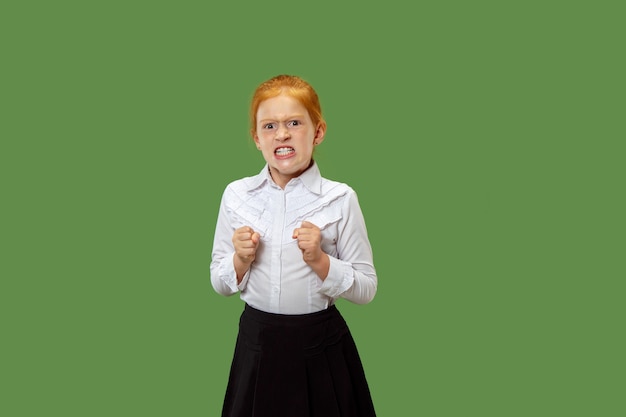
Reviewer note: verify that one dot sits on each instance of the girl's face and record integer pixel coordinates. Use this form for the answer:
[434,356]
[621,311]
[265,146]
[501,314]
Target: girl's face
[286,136]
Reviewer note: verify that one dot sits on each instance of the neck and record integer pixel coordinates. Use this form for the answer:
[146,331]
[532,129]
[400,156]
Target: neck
[276,176]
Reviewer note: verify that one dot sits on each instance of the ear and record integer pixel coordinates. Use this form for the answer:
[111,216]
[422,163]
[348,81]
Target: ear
[319,133]
[256,140]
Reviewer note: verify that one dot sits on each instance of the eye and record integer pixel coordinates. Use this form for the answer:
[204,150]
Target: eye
[294,123]
[268,126]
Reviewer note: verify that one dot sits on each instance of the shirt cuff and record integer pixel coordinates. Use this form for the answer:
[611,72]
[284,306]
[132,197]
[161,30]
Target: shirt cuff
[229,277]
[244,280]
[339,279]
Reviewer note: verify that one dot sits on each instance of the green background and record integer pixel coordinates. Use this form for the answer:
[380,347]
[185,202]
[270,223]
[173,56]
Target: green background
[484,140]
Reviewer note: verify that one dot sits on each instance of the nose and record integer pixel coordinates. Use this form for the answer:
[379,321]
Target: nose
[282,133]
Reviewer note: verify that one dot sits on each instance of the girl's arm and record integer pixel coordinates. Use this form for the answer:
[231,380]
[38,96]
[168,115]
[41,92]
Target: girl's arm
[351,274]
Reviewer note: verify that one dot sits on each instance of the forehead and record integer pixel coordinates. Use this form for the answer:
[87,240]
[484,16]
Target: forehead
[282,105]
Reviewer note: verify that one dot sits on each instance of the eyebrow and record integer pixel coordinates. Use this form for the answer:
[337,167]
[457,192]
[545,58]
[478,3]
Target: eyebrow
[295,116]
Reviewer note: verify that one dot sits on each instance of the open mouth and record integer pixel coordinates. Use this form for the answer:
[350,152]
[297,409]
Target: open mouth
[284,151]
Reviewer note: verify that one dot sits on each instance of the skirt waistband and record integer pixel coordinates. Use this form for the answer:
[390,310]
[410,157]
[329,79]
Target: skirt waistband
[295,320]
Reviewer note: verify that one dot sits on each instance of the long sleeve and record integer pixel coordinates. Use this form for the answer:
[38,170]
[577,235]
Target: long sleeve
[352,274]
[223,275]
[279,280]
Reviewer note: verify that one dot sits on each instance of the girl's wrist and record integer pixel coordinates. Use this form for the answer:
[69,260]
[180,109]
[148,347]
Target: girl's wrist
[321,266]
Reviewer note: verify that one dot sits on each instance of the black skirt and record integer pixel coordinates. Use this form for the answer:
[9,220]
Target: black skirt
[296,366]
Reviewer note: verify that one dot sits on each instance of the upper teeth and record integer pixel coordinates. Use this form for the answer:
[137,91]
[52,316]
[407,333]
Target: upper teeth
[284,150]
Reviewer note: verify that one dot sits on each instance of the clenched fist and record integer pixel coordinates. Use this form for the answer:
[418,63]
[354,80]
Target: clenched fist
[246,242]
[310,243]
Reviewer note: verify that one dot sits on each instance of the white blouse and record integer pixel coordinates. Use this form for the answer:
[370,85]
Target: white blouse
[279,281]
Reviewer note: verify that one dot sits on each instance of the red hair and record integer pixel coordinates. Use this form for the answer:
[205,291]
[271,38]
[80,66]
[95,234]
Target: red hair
[295,87]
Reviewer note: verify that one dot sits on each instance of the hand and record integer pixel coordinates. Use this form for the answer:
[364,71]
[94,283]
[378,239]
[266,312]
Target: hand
[246,242]
[309,241]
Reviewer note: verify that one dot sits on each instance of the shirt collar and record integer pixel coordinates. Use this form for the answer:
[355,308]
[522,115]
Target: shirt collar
[259,179]
[311,179]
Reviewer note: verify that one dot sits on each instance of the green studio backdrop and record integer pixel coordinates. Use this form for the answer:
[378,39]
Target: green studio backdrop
[482,141]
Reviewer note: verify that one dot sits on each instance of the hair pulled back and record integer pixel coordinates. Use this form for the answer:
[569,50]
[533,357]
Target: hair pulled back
[295,87]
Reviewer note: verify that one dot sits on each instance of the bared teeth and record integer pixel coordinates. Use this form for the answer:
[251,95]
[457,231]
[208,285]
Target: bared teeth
[283,151]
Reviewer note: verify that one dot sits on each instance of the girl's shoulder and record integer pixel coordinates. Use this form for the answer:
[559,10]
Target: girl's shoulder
[333,187]
[245,184]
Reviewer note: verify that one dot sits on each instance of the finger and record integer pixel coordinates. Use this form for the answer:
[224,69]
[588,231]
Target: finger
[245,245]
[310,234]
[243,236]
[255,237]
[244,233]
[308,225]
[301,233]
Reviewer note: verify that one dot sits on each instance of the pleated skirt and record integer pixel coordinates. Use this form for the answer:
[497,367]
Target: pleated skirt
[296,366]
